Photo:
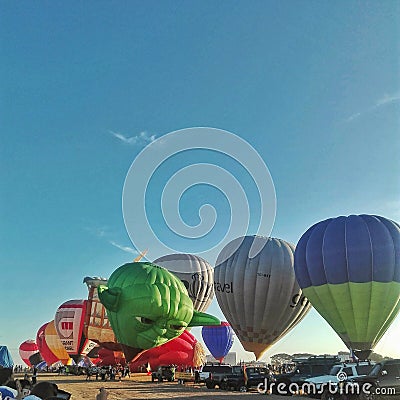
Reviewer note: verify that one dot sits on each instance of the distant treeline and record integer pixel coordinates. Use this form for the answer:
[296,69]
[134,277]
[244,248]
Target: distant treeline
[283,358]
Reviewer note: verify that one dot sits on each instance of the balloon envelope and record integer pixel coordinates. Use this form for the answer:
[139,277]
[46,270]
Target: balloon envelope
[147,306]
[69,321]
[36,359]
[196,274]
[257,290]
[218,339]
[97,325]
[54,344]
[109,357]
[349,268]
[26,350]
[184,350]
[6,360]
[48,356]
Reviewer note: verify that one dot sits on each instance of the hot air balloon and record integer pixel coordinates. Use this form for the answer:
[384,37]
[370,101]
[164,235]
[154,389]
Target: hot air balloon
[148,306]
[349,268]
[69,322]
[53,342]
[6,360]
[257,290]
[50,346]
[196,274]
[29,352]
[184,350]
[109,357]
[97,327]
[44,349]
[218,339]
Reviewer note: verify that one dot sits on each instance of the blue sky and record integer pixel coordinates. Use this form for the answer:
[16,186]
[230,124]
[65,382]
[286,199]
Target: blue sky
[85,86]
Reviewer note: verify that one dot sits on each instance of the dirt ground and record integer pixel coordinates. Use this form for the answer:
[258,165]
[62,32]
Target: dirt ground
[139,386]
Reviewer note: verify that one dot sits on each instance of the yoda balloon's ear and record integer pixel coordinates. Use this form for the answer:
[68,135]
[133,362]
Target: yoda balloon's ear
[109,297]
[203,319]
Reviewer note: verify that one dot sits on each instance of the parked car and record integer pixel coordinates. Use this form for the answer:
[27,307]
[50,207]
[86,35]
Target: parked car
[304,369]
[325,386]
[163,372]
[213,375]
[383,380]
[238,381]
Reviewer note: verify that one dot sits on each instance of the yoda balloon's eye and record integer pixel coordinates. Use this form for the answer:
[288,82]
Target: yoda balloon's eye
[177,327]
[145,320]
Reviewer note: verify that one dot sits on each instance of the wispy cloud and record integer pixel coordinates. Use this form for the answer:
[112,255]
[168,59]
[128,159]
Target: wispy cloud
[142,138]
[99,232]
[104,233]
[353,117]
[127,249]
[383,101]
[387,99]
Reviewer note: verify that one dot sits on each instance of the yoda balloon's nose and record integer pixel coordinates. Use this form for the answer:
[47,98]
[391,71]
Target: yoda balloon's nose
[160,329]
[158,301]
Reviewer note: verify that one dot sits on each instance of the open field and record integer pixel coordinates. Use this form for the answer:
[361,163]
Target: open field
[139,386]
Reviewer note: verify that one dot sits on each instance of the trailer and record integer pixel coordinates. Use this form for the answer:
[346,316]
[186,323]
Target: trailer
[183,377]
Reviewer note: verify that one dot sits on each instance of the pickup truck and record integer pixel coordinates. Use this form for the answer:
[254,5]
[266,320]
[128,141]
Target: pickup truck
[256,377]
[214,368]
[382,382]
[212,375]
[321,386]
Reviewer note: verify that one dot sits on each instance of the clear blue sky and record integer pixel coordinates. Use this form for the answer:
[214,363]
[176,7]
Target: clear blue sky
[314,86]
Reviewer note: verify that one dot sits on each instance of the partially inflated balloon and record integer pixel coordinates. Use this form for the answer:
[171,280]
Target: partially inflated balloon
[109,357]
[54,344]
[218,339]
[97,326]
[257,290]
[349,268]
[27,350]
[148,306]
[6,360]
[44,349]
[184,350]
[69,322]
[196,274]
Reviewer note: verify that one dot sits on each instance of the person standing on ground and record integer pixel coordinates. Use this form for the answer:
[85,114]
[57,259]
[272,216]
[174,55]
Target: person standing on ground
[102,395]
[34,375]
[196,376]
[88,373]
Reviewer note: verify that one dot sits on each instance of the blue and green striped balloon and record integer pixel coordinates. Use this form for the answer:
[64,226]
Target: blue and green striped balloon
[349,269]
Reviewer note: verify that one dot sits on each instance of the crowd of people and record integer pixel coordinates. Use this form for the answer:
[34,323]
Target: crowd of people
[281,368]
[29,389]
[21,368]
[105,373]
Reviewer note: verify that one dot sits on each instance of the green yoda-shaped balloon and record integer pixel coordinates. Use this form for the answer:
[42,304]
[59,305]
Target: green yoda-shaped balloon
[147,306]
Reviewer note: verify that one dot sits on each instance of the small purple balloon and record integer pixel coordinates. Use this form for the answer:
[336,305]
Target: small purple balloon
[218,339]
